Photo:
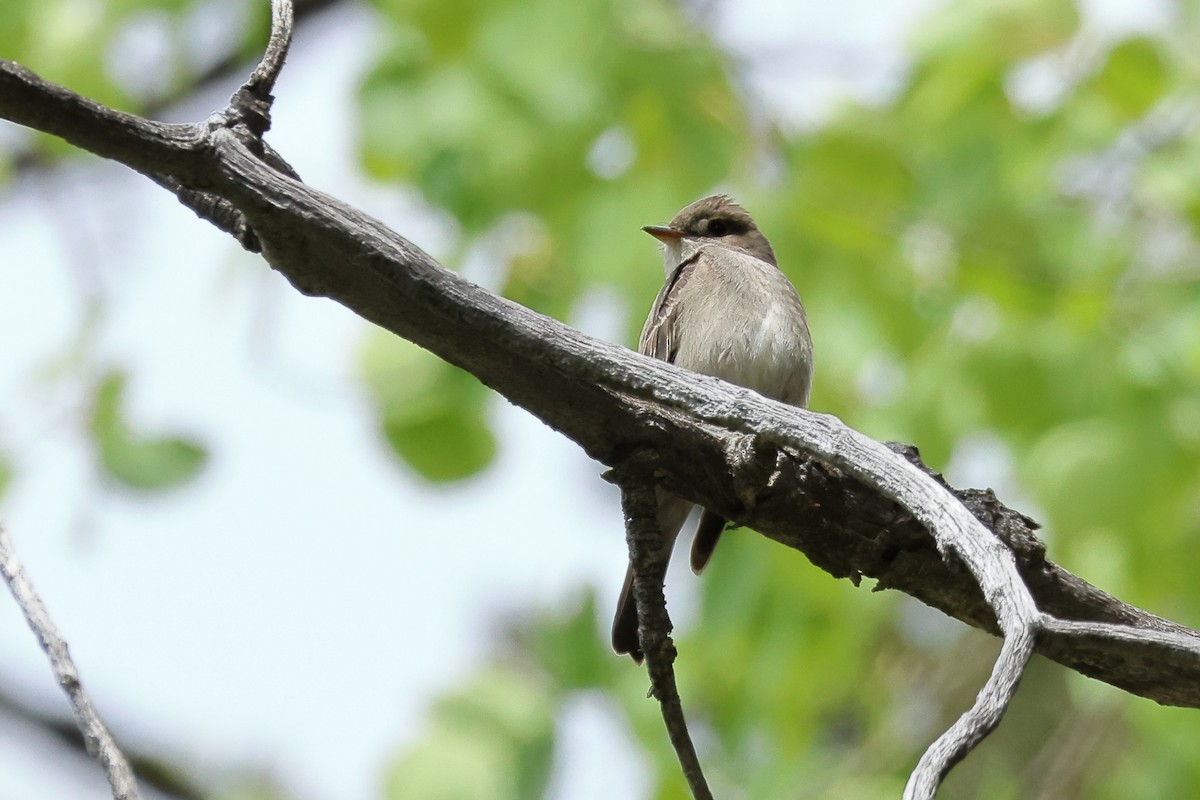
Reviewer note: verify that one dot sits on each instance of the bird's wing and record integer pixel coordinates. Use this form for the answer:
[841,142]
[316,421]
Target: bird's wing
[659,337]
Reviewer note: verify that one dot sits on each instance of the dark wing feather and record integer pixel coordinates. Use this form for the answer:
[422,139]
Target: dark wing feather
[625,625]
[708,533]
[659,337]
[659,340]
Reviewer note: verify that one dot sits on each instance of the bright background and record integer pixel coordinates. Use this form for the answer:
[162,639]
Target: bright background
[294,558]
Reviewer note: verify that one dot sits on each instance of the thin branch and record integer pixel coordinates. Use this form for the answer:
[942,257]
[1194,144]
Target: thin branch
[252,102]
[972,727]
[1122,635]
[100,744]
[220,72]
[249,115]
[153,771]
[262,80]
[648,559]
[958,534]
[169,154]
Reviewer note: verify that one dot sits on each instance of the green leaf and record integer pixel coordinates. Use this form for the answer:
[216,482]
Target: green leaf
[136,461]
[1133,78]
[152,464]
[569,648]
[447,446]
[492,738]
[432,414]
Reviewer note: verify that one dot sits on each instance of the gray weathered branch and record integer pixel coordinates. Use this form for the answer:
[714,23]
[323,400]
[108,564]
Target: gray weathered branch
[99,741]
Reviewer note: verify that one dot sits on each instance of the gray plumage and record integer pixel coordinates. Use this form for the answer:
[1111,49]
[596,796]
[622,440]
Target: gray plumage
[725,310]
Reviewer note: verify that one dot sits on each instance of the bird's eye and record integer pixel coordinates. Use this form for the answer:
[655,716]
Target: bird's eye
[717,227]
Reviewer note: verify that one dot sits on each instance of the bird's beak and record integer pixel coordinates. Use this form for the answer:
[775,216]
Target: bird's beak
[664,233]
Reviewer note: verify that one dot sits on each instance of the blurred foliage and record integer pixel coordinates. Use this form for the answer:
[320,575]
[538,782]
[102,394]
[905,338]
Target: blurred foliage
[562,115]
[86,45]
[6,473]
[424,403]
[493,738]
[89,46]
[1000,263]
[134,460]
[991,272]
[254,788]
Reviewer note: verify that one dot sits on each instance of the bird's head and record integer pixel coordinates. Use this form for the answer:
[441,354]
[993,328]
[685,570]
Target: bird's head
[714,219]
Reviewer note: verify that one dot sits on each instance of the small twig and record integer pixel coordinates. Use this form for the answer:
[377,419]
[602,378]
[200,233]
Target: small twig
[980,720]
[100,744]
[648,559]
[249,114]
[252,102]
[956,532]
[262,80]
[216,74]
[249,111]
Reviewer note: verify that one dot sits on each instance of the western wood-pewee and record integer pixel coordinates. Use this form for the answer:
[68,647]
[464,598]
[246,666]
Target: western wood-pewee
[725,310]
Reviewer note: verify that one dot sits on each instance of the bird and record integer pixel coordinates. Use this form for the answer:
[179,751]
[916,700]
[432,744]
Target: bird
[728,311]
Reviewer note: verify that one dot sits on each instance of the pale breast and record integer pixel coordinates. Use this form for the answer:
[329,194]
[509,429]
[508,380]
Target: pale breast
[740,319]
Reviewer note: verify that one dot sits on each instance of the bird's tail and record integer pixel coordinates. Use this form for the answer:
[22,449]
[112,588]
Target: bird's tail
[708,533]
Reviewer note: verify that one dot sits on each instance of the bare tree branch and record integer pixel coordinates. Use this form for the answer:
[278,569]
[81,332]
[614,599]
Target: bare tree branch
[249,114]
[262,81]
[854,506]
[100,744]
